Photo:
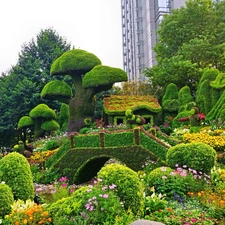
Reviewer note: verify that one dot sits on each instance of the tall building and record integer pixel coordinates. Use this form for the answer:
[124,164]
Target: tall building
[140,20]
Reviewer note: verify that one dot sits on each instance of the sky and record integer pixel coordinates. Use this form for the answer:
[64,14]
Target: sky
[91,25]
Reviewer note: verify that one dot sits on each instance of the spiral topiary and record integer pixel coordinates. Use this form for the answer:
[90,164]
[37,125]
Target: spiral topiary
[6,199]
[129,186]
[198,156]
[15,171]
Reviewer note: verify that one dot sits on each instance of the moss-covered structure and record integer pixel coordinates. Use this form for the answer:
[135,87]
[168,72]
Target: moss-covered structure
[89,78]
[82,161]
[115,106]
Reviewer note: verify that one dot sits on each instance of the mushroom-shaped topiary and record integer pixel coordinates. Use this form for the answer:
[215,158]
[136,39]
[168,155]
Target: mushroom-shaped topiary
[40,114]
[103,75]
[89,78]
[24,123]
[50,125]
[57,89]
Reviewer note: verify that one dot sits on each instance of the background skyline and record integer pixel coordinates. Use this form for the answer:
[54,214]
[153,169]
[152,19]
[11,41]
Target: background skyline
[94,26]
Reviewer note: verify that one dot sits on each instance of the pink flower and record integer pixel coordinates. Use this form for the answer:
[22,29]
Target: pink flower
[105,196]
[64,185]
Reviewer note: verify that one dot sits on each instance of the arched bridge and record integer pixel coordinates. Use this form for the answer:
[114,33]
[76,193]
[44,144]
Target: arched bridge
[88,153]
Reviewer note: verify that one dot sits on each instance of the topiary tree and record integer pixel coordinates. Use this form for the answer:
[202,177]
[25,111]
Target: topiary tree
[129,186]
[49,126]
[184,97]
[89,78]
[207,95]
[63,116]
[197,156]
[40,114]
[134,120]
[6,199]
[15,172]
[170,101]
[24,123]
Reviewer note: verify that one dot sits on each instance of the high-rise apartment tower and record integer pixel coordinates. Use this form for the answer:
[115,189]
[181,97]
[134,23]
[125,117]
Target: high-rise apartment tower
[140,20]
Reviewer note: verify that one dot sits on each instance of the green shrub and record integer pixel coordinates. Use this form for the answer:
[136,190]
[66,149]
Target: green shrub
[15,172]
[93,204]
[197,156]
[6,199]
[51,145]
[129,186]
[84,130]
[155,176]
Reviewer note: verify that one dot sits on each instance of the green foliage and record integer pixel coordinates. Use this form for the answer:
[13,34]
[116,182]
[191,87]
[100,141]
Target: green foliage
[62,150]
[170,98]
[17,174]
[51,145]
[184,97]
[20,88]
[198,156]
[89,140]
[6,199]
[75,59]
[189,39]
[50,125]
[96,204]
[103,75]
[119,139]
[129,186]
[63,116]
[156,148]
[87,121]
[206,96]
[43,111]
[25,122]
[57,89]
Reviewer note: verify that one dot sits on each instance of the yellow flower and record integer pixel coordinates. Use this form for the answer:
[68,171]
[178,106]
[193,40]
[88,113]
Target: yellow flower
[25,221]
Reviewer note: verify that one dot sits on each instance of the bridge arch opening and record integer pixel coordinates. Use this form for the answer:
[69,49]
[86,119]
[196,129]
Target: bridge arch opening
[90,168]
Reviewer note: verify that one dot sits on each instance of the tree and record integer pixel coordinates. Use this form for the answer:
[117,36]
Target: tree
[89,78]
[43,118]
[20,88]
[189,39]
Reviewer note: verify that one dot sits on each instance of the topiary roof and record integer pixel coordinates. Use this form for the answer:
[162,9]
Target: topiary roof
[77,60]
[118,104]
[103,75]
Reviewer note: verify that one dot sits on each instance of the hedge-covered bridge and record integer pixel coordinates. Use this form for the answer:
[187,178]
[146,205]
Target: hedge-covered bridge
[82,156]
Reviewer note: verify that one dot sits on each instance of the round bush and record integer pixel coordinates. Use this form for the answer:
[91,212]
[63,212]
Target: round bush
[97,204]
[15,172]
[196,155]
[156,175]
[128,185]
[6,199]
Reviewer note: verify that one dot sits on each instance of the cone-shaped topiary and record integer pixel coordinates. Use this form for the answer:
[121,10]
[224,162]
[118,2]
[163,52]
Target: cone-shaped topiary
[129,186]
[15,171]
[197,156]
[6,199]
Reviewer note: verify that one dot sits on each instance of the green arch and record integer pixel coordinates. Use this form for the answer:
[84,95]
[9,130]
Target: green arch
[74,160]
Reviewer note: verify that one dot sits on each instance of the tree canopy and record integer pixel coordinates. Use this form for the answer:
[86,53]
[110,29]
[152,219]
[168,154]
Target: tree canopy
[20,88]
[190,39]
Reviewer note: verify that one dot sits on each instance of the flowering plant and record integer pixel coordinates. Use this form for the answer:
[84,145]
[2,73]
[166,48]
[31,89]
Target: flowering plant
[190,212]
[100,203]
[27,213]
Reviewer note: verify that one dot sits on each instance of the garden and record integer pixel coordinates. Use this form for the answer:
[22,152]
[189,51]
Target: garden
[170,169]
[188,188]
